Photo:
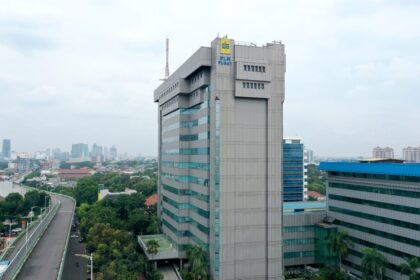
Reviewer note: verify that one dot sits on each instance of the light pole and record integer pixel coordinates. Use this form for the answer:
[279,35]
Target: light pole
[10,223]
[91,262]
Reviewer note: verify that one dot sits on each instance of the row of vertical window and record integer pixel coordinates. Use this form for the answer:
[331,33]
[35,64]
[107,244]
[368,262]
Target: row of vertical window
[254,68]
[186,165]
[186,124]
[375,218]
[190,193]
[217,190]
[381,248]
[253,85]
[371,189]
[192,151]
[186,179]
[186,233]
[188,220]
[169,89]
[383,234]
[298,229]
[187,206]
[377,176]
[186,137]
[294,255]
[384,205]
[186,111]
[300,241]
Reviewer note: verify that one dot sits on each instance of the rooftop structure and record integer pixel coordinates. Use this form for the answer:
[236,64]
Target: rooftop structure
[72,174]
[105,194]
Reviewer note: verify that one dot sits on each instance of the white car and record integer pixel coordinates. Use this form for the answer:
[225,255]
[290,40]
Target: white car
[74,236]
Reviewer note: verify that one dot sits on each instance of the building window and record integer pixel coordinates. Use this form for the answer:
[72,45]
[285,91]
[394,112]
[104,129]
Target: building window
[244,67]
[243,84]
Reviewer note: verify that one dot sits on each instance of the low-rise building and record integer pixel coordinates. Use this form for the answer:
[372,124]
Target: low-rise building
[74,174]
[105,194]
[378,204]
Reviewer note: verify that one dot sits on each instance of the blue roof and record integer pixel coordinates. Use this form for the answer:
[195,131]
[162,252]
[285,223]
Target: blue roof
[399,169]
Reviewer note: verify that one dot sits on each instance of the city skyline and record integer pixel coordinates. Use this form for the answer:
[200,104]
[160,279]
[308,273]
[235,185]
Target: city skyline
[350,67]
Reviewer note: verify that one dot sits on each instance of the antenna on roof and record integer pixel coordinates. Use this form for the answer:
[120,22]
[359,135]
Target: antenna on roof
[167,61]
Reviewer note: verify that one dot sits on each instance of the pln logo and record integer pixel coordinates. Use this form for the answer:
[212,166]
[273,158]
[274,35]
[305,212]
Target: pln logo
[225,46]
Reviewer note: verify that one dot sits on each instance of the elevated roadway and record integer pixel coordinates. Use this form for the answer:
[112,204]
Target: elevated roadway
[44,261]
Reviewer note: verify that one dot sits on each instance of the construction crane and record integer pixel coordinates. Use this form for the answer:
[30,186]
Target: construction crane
[167,61]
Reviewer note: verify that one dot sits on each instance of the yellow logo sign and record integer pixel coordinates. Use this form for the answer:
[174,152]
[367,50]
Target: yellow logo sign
[225,46]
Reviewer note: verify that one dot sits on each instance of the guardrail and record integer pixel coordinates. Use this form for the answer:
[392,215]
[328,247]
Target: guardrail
[63,258]
[19,260]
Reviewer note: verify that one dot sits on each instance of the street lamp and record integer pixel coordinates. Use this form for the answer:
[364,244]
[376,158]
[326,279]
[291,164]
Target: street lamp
[10,223]
[91,262]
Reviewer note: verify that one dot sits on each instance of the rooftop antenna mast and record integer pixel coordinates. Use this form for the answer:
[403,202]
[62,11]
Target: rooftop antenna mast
[167,61]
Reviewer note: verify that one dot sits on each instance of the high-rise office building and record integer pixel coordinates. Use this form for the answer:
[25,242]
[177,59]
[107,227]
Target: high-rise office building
[378,204]
[386,152]
[7,148]
[113,152]
[220,154]
[85,150]
[411,154]
[79,150]
[293,170]
[97,151]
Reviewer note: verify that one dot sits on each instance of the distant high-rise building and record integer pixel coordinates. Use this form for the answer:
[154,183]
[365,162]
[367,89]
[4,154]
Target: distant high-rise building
[293,170]
[113,152]
[78,150]
[23,164]
[308,156]
[220,140]
[85,150]
[57,154]
[96,151]
[411,154]
[385,152]
[7,148]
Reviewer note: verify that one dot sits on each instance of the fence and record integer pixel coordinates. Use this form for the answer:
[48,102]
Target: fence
[18,261]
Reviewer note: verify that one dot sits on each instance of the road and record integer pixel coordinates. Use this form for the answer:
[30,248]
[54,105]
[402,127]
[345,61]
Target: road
[168,272]
[75,267]
[44,262]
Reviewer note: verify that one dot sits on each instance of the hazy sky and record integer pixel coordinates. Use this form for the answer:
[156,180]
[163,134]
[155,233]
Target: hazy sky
[85,70]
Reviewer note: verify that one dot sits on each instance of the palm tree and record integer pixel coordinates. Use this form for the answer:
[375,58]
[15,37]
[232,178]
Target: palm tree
[373,263]
[410,268]
[152,248]
[198,259]
[340,242]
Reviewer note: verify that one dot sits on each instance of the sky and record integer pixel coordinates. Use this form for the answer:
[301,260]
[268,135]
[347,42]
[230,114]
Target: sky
[85,70]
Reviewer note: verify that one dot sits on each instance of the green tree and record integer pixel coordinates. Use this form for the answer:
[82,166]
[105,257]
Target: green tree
[198,260]
[330,273]
[340,242]
[410,268]
[373,264]
[152,248]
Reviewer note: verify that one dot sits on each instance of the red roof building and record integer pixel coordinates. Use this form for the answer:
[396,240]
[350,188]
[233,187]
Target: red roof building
[316,195]
[151,200]
[74,174]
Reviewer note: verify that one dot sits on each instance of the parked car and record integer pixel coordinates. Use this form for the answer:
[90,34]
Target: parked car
[74,236]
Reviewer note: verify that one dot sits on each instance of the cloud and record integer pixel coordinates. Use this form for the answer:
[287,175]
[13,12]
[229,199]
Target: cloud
[86,70]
